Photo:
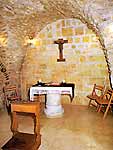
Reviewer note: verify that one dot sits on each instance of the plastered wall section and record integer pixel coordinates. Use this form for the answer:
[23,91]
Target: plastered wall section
[85,63]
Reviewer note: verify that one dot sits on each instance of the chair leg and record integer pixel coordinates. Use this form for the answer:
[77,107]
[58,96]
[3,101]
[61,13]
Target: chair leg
[106,111]
[99,108]
[8,107]
[89,103]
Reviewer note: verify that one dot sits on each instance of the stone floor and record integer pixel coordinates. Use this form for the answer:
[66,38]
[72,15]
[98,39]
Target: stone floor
[79,128]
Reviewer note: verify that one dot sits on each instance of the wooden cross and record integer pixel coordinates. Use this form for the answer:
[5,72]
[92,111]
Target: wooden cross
[60,43]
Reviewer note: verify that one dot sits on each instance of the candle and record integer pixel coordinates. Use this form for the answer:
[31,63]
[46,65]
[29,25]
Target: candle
[40,80]
[63,81]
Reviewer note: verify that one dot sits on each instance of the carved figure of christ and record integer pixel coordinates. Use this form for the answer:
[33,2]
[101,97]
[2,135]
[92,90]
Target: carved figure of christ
[60,43]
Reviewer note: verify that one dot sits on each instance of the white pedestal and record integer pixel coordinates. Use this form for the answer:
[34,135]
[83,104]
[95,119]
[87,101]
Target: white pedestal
[53,105]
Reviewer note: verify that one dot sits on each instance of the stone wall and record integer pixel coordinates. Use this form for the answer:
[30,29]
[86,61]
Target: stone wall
[22,20]
[85,62]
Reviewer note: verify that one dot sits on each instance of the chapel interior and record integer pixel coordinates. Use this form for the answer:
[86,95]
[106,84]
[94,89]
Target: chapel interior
[30,32]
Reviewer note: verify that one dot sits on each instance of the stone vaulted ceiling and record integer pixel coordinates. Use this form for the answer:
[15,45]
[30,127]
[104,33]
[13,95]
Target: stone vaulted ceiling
[23,19]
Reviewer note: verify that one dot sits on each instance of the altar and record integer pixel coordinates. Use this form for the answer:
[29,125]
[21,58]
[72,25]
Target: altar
[53,92]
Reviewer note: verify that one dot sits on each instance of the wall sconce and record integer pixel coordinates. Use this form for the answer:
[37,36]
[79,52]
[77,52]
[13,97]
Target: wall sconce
[32,42]
[3,41]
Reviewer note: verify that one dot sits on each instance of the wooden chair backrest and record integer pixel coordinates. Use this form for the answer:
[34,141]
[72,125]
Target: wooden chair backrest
[98,90]
[11,93]
[108,94]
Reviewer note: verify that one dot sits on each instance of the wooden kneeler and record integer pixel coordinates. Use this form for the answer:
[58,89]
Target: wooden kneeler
[20,140]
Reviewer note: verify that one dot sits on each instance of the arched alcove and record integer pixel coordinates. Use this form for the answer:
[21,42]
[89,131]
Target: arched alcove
[85,61]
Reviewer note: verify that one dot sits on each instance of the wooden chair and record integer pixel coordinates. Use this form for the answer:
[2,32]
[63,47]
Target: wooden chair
[97,92]
[10,94]
[24,141]
[105,102]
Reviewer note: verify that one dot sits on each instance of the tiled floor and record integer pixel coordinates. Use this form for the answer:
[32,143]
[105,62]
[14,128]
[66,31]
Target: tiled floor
[80,128]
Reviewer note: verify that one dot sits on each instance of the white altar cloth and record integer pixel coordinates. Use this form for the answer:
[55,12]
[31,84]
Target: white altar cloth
[49,89]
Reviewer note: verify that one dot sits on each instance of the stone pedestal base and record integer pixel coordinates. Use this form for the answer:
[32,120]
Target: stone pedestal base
[53,105]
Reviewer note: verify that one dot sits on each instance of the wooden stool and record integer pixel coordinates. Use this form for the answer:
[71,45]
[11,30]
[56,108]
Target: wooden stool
[24,141]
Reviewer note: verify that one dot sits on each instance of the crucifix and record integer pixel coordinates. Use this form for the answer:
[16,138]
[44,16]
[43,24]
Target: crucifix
[60,43]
